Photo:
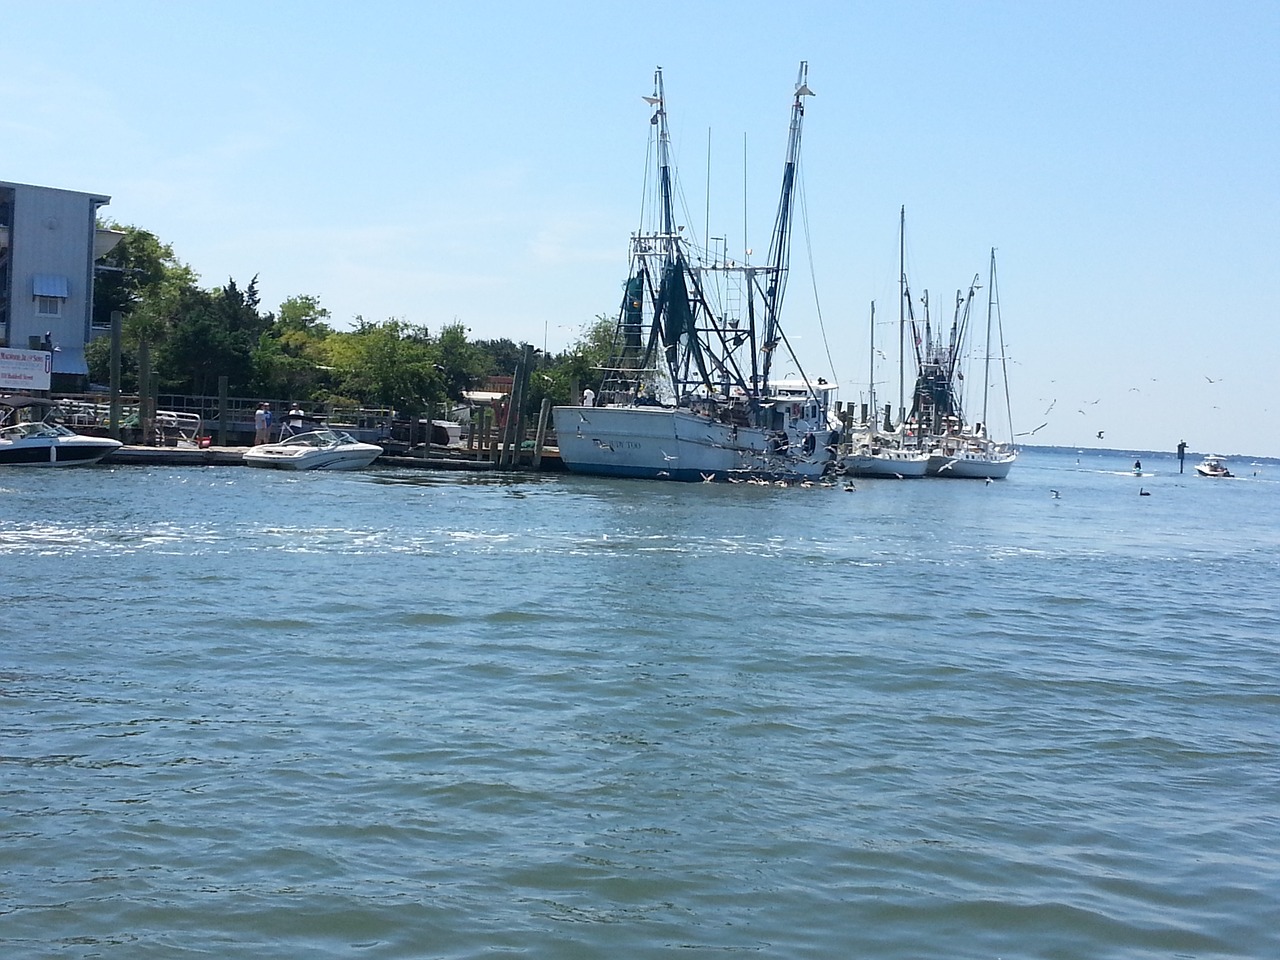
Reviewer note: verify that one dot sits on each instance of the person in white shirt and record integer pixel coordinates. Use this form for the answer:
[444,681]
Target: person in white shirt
[588,397]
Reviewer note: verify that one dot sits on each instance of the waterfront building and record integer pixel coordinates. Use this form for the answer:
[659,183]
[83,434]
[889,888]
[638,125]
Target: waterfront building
[49,240]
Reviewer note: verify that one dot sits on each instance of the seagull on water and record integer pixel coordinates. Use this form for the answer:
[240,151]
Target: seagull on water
[707,477]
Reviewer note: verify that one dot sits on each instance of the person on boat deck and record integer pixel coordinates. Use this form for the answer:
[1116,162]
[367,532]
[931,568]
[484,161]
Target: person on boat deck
[261,423]
[297,422]
[588,397]
[1137,465]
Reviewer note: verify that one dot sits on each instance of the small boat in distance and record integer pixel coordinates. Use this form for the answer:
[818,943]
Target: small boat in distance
[325,449]
[40,441]
[1213,466]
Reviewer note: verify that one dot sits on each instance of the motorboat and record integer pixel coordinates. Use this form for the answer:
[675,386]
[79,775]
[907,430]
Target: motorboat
[1213,466]
[325,449]
[29,436]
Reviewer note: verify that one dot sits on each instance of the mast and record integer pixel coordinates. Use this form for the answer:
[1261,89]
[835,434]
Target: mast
[986,368]
[902,319]
[871,366]
[659,100]
[780,245]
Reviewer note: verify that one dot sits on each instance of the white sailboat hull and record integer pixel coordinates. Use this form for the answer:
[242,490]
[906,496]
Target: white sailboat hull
[663,443]
[876,459]
[971,465]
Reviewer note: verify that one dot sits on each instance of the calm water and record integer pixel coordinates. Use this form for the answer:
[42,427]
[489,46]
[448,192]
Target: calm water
[247,714]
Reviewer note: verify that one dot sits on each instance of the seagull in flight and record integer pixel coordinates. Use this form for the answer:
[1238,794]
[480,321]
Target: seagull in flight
[708,477]
[1031,433]
[948,465]
[1056,495]
[1211,380]
[1100,433]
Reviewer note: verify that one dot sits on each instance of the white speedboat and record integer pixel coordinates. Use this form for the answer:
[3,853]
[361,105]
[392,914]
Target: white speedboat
[1213,466]
[41,442]
[317,450]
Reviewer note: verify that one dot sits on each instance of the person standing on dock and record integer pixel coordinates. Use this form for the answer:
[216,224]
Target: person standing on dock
[262,424]
[588,397]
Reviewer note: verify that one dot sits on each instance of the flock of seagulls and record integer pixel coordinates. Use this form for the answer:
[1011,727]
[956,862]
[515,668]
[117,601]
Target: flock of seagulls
[1093,403]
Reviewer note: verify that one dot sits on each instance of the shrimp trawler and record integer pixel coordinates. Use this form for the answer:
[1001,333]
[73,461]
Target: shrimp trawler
[689,393]
[957,448]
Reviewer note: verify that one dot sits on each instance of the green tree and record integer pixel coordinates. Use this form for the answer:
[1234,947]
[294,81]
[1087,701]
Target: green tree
[389,364]
[461,364]
[211,334]
[138,269]
[290,359]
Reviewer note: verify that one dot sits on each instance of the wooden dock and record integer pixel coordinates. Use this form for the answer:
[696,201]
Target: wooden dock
[438,458]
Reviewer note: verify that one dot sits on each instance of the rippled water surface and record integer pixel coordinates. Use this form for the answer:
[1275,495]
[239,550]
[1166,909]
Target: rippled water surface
[401,714]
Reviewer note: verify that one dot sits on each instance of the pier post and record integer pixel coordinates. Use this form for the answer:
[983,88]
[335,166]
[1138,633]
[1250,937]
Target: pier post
[543,415]
[223,413]
[113,421]
[526,371]
[144,394]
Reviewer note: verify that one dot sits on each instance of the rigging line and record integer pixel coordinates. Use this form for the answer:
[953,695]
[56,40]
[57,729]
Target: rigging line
[813,276]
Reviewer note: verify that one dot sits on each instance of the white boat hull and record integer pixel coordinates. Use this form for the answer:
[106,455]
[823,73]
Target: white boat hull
[69,451]
[890,464]
[967,465]
[663,443]
[351,457]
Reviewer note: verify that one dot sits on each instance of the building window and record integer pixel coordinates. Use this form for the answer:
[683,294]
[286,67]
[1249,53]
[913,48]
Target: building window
[48,306]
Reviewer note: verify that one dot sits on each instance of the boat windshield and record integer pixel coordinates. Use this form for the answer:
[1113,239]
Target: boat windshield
[319,438]
[27,431]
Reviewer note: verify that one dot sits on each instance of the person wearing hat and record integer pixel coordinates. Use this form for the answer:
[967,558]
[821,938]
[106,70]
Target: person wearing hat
[262,424]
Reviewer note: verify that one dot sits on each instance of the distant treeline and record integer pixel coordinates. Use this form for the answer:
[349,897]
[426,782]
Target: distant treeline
[197,335]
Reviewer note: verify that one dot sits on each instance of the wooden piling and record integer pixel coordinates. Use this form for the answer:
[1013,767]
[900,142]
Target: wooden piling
[543,415]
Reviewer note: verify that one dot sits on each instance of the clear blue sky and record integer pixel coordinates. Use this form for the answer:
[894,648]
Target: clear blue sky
[483,162]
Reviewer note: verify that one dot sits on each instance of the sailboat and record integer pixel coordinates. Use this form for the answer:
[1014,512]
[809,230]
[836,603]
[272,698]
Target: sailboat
[872,451]
[689,393]
[958,450]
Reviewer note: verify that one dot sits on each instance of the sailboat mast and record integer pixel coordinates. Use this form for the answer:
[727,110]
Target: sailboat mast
[871,364]
[780,245]
[986,369]
[902,318]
